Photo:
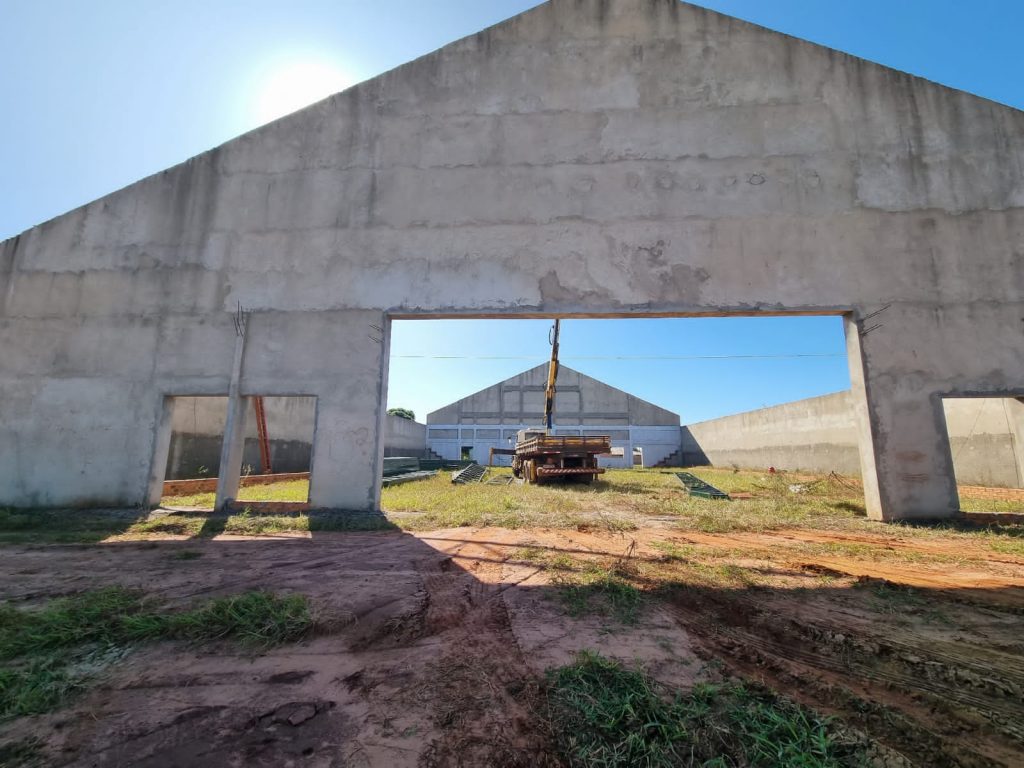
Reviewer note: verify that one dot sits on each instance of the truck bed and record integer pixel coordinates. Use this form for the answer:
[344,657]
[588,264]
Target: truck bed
[543,445]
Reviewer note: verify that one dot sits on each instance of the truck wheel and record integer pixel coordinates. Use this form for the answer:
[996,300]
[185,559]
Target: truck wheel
[531,471]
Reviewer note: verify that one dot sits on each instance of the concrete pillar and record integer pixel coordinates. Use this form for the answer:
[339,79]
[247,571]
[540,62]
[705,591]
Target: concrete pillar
[348,443]
[161,449]
[231,450]
[859,402]
[905,456]
[1014,407]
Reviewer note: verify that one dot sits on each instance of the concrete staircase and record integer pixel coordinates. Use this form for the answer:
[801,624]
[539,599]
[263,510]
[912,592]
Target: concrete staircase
[672,460]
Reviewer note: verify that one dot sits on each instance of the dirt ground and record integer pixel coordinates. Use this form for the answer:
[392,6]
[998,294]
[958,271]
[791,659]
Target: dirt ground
[441,640]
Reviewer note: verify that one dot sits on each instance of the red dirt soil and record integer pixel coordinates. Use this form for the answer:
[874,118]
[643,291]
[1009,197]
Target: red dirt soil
[437,643]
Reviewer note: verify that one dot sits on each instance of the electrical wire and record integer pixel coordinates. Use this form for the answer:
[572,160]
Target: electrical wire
[619,357]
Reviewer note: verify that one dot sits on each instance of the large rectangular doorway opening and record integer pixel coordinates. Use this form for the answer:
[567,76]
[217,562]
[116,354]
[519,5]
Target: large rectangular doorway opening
[744,402]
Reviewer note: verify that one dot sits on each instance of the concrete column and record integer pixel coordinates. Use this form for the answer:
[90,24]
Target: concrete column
[905,456]
[228,475]
[348,443]
[859,402]
[161,449]
[1015,417]
[231,450]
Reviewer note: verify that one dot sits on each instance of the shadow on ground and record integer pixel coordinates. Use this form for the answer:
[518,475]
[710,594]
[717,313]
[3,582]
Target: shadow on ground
[433,648]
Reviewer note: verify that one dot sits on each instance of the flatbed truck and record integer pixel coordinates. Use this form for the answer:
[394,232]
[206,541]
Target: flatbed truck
[540,456]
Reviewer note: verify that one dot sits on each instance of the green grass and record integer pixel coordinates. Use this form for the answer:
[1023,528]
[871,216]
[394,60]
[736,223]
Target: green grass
[114,616]
[1007,546]
[605,715]
[587,587]
[287,490]
[622,500]
[595,589]
[200,524]
[44,681]
[62,527]
[54,651]
[672,552]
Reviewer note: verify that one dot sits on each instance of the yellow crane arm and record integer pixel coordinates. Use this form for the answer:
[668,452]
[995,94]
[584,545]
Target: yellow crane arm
[549,392]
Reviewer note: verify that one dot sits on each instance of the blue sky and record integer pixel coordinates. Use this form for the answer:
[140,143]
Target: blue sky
[97,95]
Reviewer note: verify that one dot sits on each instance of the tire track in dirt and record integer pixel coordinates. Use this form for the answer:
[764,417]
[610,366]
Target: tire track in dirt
[937,695]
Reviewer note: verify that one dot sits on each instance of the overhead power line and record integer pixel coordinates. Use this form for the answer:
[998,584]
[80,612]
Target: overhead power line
[618,357]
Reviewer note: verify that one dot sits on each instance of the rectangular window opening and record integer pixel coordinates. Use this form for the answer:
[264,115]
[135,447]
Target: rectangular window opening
[276,457]
[986,442]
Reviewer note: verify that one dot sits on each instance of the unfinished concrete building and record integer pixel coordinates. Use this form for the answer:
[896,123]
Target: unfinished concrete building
[588,158]
[490,418]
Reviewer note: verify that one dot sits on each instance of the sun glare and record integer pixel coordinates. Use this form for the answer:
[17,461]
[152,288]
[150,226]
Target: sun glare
[298,84]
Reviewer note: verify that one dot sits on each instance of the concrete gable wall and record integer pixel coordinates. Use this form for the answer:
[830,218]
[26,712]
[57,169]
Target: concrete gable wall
[588,157]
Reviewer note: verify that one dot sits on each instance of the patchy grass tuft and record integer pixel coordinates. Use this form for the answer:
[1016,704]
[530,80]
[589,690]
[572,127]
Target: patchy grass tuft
[115,615]
[89,617]
[62,526]
[42,682]
[603,714]
[54,651]
[595,589]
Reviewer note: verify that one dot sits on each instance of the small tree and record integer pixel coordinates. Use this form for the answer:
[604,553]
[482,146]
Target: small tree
[402,413]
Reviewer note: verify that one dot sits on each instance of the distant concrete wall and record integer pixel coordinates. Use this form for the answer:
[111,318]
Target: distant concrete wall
[982,440]
[404,437]
[819,435]
[197,427]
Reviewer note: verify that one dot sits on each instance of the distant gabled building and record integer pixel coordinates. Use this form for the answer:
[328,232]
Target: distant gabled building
[583,405]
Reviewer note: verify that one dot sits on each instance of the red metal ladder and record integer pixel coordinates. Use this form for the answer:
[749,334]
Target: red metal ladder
[261,431]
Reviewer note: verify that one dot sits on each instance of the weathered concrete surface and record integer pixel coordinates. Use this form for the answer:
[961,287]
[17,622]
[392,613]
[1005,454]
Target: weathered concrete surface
[819,434]
[985,438]
[491,417]
[404,437]
[589,157]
